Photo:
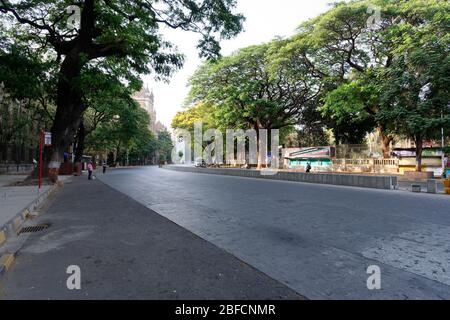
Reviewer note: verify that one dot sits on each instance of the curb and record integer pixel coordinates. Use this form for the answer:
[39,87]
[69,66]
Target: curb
[11,228]
[335,179]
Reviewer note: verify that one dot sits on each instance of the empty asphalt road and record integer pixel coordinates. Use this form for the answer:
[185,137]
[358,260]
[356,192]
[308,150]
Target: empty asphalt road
[125,251]
[317,239]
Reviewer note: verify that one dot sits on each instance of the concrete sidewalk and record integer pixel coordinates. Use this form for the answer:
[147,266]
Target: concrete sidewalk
[126,251]
[16,202]
[8,179]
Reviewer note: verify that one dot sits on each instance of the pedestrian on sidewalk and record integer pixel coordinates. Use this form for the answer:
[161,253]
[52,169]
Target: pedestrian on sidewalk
[308,167]
[104,167]
[90,170]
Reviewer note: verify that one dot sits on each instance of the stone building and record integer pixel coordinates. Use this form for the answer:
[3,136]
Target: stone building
[146,100]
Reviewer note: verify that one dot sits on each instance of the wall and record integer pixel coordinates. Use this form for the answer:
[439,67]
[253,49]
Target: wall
[16,169]
[363,181]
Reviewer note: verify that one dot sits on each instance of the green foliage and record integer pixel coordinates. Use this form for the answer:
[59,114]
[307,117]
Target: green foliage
[351,108]
[165,146]
[186,119]
[125,131]
[247,90]
[415,88]
[112,39]
[365,82]
[338,71]
[24,102]
[123,29]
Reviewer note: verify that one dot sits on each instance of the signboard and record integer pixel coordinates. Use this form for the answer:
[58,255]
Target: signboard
[312,152]
[412,152]
[48,139]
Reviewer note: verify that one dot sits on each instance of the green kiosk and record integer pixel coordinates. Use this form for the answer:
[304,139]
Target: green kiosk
[320,158]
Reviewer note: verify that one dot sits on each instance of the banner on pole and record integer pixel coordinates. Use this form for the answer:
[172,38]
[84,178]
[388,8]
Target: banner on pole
[48,139]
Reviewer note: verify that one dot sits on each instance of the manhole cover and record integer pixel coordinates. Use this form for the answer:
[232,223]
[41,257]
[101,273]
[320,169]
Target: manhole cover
[33,229]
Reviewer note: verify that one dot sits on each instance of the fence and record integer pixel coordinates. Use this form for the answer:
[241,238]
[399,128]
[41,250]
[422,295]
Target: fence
[17,154]
[358,166]
[366,165]
[357,151]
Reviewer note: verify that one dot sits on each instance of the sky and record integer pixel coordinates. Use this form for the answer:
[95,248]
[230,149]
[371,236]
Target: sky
[265,20]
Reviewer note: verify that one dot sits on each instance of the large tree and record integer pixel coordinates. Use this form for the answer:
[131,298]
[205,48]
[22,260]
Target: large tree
[165,146]
[248,90]
[415,91]
[121,37]
[347,42]
[350,44]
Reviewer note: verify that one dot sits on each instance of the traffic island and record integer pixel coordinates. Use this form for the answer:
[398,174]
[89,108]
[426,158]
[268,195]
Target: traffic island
[350,180]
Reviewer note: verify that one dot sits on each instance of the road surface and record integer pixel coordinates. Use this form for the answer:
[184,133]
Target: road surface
[125,251]
[233,238]
[317,239]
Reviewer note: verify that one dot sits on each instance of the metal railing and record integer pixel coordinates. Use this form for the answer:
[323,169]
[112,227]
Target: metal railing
[17,154]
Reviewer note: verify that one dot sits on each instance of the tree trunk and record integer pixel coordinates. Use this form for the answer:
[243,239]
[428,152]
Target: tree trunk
[68,113]
[385,142]
[260,161]
[419,149]
[69,107]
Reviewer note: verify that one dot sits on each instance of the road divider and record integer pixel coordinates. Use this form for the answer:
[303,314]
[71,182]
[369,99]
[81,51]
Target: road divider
[350,180]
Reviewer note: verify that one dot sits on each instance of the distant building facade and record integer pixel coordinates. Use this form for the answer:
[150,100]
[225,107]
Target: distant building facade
[146,100]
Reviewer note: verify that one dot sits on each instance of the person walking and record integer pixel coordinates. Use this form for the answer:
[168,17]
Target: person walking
[104,167]
[90,170]
[308,168]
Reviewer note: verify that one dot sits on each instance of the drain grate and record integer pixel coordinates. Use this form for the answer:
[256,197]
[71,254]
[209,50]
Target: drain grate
[33,229]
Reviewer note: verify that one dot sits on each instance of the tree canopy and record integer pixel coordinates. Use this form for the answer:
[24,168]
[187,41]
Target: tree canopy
[120,38]
[360,66]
